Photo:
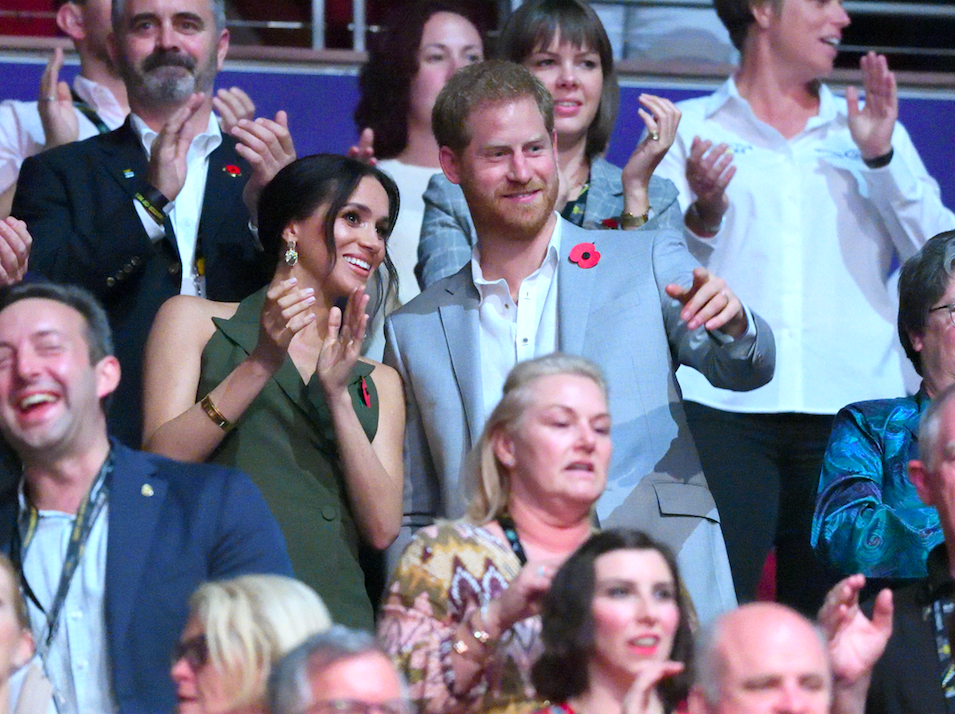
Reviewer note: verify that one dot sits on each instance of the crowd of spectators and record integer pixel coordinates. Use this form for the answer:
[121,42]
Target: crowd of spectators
[564,533]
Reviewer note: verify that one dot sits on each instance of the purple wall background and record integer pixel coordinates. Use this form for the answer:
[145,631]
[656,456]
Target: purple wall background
[320,108]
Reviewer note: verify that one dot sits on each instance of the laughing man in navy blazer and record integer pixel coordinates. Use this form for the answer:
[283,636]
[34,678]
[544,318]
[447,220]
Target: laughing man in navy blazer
[153,529]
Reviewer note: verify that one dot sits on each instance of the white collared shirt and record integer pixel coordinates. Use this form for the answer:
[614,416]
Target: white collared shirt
[187,207]
[513,332]
[78,661]
[810,242]
[21,131]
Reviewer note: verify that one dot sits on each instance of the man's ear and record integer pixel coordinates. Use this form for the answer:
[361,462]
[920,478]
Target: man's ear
[918,476]
[450,164]
[222,49]
[916,339]
[763,12]
[107,376]
[25,648]
[69,18]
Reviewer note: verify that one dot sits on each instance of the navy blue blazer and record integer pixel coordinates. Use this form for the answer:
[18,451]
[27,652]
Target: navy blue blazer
[195,522]
[77,201]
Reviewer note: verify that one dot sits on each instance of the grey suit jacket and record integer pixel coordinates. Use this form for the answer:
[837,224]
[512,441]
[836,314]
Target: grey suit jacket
[618,315]
[448,234]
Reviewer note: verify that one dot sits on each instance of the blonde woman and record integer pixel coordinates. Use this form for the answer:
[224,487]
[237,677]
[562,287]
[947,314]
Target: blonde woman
[237,629]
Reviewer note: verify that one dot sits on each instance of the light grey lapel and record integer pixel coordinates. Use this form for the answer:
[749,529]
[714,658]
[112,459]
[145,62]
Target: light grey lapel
[605,195]
[575,287]
[460,321]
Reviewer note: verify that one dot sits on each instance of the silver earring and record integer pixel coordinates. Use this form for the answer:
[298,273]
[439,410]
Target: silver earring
[291,255]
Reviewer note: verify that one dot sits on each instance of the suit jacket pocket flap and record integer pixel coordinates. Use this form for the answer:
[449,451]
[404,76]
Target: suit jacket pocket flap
[685,499]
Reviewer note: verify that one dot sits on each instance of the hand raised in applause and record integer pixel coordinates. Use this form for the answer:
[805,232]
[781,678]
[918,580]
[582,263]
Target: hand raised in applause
[710,302]
[285,313]
[15,241]
[232,105]
[522,599]
[60,125]
[662,119]
[855,641]
[871,127]
[268,147]
[642,697]
[364,150]
[167,158]
[709,170]
[342,345]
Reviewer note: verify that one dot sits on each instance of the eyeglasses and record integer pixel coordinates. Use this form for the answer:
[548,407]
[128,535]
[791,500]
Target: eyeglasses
[950,308]
[195,651]
[356,706]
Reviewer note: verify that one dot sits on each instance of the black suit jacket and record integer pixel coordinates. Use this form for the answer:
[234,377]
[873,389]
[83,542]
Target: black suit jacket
[77,201]
[172,526]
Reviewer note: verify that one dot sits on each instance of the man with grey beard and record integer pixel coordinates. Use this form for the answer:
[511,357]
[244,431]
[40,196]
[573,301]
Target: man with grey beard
[166,203]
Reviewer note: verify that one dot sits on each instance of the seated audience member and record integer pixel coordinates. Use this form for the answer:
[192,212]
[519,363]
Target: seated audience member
[24,689]
[616,630]
[422,45]
[237,630]
[317,428]
[869,519]
[538,283]
[766,657]
[805,202]
[538,469]
[137,533]
[162,205]
[563,43]
[95,104]
[338,671]
[915,675]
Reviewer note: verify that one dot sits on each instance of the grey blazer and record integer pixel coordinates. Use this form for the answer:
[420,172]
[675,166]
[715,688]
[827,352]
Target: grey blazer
[618,315]
[448,234]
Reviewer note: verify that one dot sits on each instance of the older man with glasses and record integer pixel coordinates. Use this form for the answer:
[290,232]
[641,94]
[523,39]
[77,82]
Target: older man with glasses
[868,517]
[339,671]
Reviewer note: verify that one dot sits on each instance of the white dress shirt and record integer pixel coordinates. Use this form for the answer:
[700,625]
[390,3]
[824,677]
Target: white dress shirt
[186,210]
[21,131]
[513,332]
[78,663]
[811,242]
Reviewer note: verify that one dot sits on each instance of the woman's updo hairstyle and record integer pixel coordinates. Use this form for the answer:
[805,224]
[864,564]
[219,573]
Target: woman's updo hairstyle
[321,180]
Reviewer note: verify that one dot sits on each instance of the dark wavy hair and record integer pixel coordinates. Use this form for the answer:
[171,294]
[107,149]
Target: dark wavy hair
[385,79]
[568,623]
[536,23]
[308,183]
[923,280]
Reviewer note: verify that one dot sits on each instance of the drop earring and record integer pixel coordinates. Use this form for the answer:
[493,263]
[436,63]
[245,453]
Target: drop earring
[291,255]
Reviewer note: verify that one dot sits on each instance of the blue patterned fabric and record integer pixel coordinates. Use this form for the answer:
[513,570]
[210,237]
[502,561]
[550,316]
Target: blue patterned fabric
[868,517]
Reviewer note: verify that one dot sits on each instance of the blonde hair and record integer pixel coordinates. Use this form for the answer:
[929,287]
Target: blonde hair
[250,622]
[487,481]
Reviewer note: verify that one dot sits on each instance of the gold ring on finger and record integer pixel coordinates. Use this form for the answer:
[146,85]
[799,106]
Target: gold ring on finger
[655,135]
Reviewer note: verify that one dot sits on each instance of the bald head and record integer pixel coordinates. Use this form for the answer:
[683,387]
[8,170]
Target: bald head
[762,657]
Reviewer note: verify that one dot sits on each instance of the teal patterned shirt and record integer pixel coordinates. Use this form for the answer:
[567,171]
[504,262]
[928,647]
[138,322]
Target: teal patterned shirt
[868,517]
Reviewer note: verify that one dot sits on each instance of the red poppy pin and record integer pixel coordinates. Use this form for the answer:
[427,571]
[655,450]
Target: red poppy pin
[365,396]
[232,170]
[610,223]
[585,255]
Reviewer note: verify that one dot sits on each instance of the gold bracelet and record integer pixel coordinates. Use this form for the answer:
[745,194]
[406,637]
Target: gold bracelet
[481,636]
[218,418]
[628,221]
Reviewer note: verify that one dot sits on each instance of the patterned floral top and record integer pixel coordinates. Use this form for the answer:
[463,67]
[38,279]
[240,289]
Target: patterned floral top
[448,571]
[868,518]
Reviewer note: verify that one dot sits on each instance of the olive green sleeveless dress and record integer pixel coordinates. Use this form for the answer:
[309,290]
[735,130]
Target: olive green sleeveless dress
[285,442]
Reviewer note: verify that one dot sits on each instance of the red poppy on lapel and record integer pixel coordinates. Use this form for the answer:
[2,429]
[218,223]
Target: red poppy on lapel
[585,255]
[232,170]
[365,396]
